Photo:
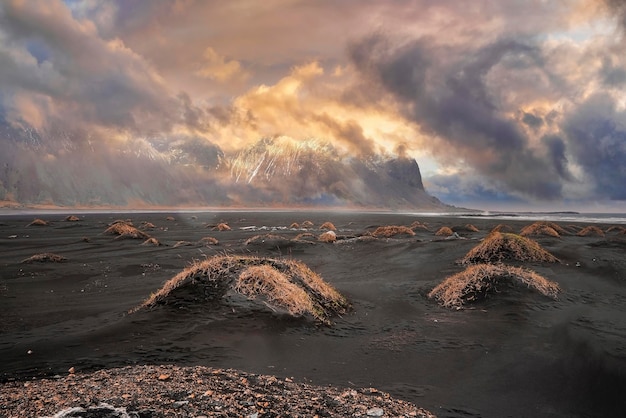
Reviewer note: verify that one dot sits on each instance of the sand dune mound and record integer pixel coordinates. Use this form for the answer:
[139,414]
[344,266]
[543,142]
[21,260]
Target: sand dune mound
[478,281]
[268,241]
[72,218]
[125,230]
[307,224]
[392,231]
[282,285]
[38,222]
[591,231]
[499,246]
[45,258]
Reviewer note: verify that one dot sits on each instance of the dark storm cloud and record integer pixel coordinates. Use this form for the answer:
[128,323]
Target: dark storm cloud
[532,121]
[597,139]
[453,100]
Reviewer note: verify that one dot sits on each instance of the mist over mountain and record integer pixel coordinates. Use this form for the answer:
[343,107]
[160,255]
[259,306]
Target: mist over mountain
[74,168]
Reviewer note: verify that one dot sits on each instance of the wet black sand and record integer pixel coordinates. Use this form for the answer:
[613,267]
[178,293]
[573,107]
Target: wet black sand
[518,354]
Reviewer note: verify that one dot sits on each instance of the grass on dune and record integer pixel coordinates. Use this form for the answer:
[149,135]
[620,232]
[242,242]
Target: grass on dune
[392,230]
[591,230]
[328,236]
[499,246]
[45,258]
[286,284]
[544,228]
[125,230]
[38,222]
[479,280]
[444,231]
[328,226]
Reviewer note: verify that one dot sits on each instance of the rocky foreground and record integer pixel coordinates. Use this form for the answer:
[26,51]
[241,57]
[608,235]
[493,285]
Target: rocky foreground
[167,391]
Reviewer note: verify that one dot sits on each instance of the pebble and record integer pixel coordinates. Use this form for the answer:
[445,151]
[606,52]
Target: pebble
[375,412]
[179,404]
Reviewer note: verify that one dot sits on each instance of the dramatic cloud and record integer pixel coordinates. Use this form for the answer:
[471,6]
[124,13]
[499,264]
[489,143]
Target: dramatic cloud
[497,107]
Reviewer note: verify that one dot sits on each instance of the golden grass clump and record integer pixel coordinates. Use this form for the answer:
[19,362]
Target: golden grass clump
[418,225]
[222,227]
[392,231]
[590,230]
[259,239]
[499,246]
[305,236]
[170,218]
[122,221]
[183,244]
[274,280]
[147,225]
[328,236]
[39,222]
[328,225]
[45,258]
[471,228]
[539,228]
[125,230]
[72,218]
[307,224]
[477,281]
[543,228]
[502,228]
[275,286]
[294,225]
[616,228]
[444,231]
[209,241]
[152,241]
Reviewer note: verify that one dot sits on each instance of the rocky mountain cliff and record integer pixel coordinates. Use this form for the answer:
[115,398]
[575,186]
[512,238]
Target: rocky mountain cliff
[67,169]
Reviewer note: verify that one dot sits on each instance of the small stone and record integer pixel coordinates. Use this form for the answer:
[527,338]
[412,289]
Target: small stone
[179,404]
[163,377]
[29,352]
[375,412]
[71,370]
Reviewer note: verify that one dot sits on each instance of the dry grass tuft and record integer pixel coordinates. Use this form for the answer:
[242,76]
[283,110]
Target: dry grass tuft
[475,282]
[38,222]
[616,228]
[499,246]
[259,239]
[328,236]
[294,225]
[539,228]
[222,227]
[543,228]
[305,236]
[45,258]
[419,225]
[147,225]
[329,226]
[502,228]
[151,241]
[183,244]
[591,230]
[122,221]
[471,228]
[126,231]
[170,218]
[392,230]
[72,218]
[307,224]
[266,281]
[444,231]
[208,241]
[286,284]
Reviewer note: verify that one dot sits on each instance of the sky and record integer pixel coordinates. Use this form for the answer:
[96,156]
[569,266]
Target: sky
[517,104]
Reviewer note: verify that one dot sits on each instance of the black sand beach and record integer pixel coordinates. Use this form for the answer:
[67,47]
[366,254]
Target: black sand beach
[517,354]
